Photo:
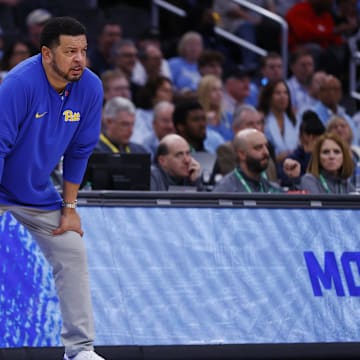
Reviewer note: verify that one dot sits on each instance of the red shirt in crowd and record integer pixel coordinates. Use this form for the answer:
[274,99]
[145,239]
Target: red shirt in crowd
[306,26]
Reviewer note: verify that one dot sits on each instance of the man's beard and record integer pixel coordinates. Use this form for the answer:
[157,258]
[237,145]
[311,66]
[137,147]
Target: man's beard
[63,74]
[256,165]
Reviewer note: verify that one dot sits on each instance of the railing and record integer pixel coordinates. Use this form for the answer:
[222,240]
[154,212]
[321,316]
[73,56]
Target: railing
[156,4]
[354,62]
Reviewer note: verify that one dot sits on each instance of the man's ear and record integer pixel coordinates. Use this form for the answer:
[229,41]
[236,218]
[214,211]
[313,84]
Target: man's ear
[180,129]
[241,154]
[162,161]
[46,54]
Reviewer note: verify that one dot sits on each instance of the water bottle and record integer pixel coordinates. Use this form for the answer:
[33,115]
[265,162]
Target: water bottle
[357,177]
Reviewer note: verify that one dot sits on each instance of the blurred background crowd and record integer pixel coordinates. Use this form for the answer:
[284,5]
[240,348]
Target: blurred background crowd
[157,77]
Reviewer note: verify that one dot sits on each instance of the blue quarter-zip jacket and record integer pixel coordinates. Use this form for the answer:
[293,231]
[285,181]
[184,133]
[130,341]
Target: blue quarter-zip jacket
[38,126]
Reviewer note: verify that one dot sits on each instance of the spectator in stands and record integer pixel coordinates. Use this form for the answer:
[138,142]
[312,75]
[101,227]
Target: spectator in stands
[311,24]
[150,65]
[241,22]
[316,80]
[302,68]
[210,95]
[115,83]
[154,91]
[151,61]
[110,32]
[211,62]
[245,117]
[14,52]
[184,68]
[330,167]
[174,165]
[162,125]
[271,69]
[253,158]
[118,121]
[124,56]
[236,88]
[35,22]
[281,127]
[339,126]
[330,95]
[190,122]
[311,128]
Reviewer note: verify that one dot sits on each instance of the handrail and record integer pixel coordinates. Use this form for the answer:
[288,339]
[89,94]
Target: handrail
[165,5]
[354,62]
[234,38]
[276,18]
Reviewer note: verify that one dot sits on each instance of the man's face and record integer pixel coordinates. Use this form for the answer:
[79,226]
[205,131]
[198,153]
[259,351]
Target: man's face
[68,60]
[163,124]
[110,34]
[330,91]
[256,156]
[118,86]
[127,58]
[251,119]
[213,68]
[273,69]
[315,84]
[195,125]
[303,69]
[239,88]
[152,63]
[120,129]
[193,49]
[177,162]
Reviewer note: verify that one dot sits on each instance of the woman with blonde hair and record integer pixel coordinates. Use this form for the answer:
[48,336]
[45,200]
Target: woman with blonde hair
[338,125]
[330,167]
[210,95]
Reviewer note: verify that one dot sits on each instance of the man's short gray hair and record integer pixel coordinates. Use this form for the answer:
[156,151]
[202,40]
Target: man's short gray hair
[117,104]
[161,106]
[240,110]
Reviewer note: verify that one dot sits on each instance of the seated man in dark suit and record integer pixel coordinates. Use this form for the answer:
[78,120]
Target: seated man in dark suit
[174,166]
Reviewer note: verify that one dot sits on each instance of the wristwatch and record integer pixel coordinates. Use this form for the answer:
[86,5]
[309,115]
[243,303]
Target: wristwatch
[70,205]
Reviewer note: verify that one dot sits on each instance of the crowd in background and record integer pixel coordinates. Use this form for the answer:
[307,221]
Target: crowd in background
[180,89]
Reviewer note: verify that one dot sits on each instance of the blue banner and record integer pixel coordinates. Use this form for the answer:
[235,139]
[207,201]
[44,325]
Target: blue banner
[170,276]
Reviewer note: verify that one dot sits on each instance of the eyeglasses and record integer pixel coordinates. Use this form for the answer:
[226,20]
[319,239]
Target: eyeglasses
[128,55]
[124,124]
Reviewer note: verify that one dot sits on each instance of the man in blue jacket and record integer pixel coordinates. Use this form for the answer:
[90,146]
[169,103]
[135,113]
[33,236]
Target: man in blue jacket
[51,108]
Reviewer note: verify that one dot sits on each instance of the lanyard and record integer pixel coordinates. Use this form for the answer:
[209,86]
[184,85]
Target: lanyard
[244,182]
[111,146]
[326,186]
[107,142]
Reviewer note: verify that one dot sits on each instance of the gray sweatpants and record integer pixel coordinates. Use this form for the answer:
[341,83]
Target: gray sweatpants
[66,254]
